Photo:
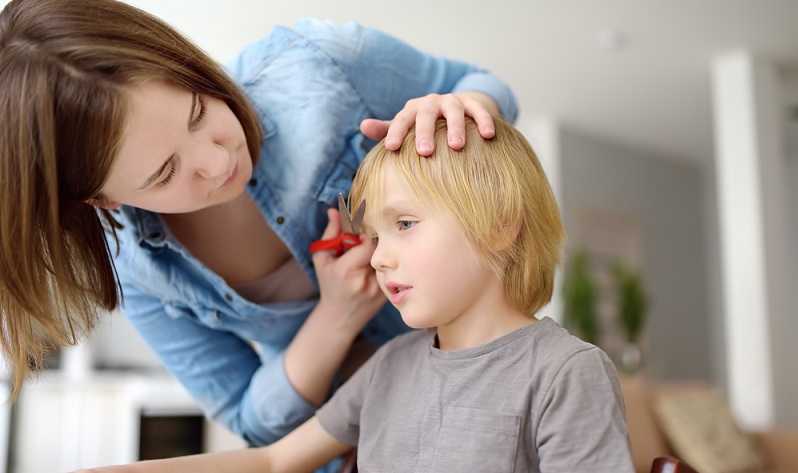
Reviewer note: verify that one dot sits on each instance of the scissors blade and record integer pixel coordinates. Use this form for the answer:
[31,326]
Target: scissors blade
[346,218]
[357,220]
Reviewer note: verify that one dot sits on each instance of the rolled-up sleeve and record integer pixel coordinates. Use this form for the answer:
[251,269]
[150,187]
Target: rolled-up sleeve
[271,407]
[491,85]
[247,393]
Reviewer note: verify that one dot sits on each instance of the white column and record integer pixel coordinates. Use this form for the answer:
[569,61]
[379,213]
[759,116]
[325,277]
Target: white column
[748,166]
[543,133]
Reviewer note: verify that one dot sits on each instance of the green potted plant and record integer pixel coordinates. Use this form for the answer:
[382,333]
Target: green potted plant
[579,294]
[632,307]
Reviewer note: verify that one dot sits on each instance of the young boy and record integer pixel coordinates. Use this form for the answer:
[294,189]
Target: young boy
[467,243]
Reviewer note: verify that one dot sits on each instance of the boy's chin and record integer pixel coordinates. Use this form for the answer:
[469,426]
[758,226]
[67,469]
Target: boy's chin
[417,323]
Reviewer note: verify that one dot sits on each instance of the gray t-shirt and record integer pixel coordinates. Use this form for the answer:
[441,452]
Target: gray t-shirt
[535,400]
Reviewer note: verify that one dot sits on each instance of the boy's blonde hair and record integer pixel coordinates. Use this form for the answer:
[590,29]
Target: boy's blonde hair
[496,191]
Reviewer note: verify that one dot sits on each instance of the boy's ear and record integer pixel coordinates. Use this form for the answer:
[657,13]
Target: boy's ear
[506,237]
[103,204]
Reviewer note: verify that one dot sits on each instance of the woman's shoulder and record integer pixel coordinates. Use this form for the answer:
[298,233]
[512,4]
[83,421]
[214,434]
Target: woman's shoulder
[341,41]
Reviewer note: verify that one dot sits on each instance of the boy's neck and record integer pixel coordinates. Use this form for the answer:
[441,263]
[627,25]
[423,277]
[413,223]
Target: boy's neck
[481,326]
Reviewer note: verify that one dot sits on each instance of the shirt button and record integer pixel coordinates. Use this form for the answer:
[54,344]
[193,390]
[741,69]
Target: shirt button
[374,331]
[253,182]
[280,220]
[228,297]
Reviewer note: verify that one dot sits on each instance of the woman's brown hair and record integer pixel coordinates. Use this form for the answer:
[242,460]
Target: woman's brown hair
[65,71]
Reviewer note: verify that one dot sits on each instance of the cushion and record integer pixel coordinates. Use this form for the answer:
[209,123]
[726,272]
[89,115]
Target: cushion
[702,432]
[646,439]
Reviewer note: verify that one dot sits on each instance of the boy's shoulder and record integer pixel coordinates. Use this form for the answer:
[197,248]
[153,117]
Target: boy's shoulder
[560,357]
[550,333]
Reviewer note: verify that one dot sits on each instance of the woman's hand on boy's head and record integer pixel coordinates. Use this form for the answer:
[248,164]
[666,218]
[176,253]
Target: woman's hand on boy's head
[423,112]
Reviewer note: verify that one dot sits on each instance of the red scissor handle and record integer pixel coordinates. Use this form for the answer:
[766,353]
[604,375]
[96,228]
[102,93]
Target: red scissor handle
[337,245]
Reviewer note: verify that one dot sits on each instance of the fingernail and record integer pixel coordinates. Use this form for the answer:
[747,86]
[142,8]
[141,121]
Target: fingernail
[456,139]
[425,145]
[488,129]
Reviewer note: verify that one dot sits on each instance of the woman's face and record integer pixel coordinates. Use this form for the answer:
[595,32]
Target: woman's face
[181,152]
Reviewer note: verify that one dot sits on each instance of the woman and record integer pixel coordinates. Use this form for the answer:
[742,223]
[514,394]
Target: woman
[211,184]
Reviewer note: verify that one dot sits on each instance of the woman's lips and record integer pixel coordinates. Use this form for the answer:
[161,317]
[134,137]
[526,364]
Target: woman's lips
[232,177]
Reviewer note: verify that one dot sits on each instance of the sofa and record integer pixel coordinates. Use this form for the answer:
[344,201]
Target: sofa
[661,423]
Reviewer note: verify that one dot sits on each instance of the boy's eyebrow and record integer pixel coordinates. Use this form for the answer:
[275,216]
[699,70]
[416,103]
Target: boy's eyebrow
[154,176]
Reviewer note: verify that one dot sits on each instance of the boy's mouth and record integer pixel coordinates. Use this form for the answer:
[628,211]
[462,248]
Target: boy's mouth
[395,288]
[398,291]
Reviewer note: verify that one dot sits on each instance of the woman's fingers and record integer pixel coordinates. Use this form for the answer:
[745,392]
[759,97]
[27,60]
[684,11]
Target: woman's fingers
[424,112]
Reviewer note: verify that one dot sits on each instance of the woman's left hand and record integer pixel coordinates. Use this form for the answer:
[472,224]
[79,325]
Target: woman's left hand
[423,112]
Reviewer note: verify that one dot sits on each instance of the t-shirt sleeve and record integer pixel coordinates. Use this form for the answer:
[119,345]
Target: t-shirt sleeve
[582,425]
[340,416]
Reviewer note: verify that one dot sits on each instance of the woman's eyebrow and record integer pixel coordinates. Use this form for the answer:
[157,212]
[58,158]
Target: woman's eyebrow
[154,176]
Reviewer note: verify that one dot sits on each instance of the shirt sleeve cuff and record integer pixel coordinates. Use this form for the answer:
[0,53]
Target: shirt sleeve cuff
[489,84]
[274,407]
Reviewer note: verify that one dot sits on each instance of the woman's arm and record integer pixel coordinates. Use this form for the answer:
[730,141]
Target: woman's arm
[350,296]
[304,450]
[399,83]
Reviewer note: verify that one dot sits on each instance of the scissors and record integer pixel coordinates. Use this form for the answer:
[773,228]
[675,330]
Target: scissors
[350,226]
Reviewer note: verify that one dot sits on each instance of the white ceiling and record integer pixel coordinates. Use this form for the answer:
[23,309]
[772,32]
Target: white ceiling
[653,92]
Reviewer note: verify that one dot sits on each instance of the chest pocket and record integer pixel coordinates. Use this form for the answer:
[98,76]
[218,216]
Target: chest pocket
[204,315]
[476,441]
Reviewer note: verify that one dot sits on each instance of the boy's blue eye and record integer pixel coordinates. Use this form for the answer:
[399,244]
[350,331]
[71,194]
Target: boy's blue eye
[405,224]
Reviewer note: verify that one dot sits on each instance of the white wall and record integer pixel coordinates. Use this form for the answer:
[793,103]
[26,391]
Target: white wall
[790,91]
[667,198]
[787,402]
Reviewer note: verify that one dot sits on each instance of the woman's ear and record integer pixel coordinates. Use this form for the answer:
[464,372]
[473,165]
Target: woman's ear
[103,204]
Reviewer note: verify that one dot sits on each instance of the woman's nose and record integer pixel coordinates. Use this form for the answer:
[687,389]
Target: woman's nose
[213,161]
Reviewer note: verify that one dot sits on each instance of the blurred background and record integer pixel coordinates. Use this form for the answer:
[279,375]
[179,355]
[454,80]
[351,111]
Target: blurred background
[669,131]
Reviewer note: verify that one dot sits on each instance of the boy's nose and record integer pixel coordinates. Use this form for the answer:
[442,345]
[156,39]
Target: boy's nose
[380,260]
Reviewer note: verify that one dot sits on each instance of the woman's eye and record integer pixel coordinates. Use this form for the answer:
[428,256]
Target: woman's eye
[201,112]
[166,180]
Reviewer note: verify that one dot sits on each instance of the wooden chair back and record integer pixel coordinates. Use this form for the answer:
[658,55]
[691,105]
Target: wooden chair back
[668,464]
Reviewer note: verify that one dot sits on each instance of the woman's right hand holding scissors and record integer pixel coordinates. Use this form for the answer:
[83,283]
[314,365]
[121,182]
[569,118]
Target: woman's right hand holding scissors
[350,297]
[347,283]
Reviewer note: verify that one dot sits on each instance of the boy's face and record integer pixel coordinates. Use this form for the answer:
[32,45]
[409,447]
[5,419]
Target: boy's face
[424,263]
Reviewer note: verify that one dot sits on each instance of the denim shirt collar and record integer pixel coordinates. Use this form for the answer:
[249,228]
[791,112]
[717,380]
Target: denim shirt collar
[148,226]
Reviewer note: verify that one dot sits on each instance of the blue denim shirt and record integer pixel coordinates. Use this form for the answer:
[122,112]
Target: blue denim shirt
[311,86]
